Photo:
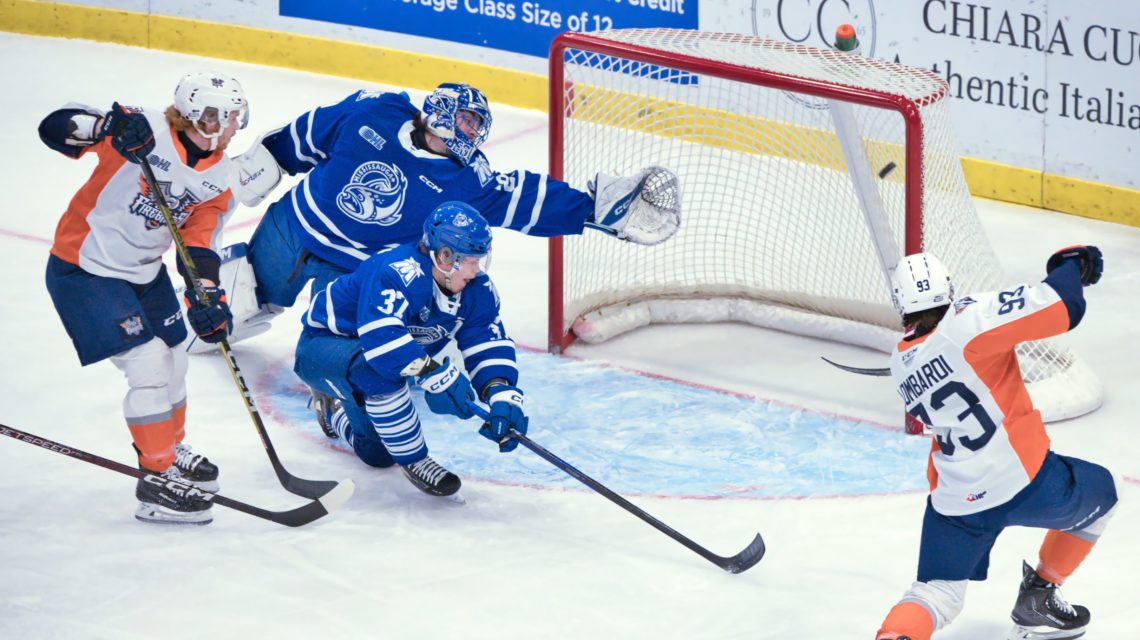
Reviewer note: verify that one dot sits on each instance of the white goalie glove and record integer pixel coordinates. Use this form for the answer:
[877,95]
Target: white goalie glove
[254,174]
[644,208]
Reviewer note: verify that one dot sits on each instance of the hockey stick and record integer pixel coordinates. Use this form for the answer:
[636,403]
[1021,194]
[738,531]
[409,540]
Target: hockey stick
[311,489]
[735,564]
[298,517]
[885,371]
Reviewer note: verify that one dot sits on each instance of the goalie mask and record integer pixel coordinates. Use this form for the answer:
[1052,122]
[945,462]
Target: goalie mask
[460,116]
[208,100]
[920,282]
[455,232]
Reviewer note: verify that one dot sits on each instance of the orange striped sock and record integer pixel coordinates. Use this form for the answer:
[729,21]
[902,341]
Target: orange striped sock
[155,444]
[1061,554]
[178,414]
[908,619]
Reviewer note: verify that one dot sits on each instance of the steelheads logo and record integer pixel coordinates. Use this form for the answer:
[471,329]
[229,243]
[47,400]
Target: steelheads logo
[374,194]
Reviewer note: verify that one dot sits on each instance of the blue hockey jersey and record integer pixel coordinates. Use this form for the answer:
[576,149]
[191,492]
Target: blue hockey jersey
[392,304]
[368,187]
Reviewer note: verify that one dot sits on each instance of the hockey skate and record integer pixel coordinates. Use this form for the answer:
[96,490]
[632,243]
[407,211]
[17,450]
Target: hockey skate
[168,498]
[431,478]
[196,469]
[325,407]
[1041,612]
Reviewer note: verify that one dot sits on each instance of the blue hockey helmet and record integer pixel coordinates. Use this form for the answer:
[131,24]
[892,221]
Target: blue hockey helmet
[460,228]
[446,108]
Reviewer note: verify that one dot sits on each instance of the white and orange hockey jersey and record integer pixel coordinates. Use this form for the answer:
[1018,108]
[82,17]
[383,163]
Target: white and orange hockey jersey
[112,228]
[963,379]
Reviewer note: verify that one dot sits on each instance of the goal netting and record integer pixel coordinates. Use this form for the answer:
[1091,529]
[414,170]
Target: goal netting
[805,175]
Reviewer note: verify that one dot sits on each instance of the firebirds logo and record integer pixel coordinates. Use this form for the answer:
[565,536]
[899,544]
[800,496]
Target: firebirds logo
[145,206]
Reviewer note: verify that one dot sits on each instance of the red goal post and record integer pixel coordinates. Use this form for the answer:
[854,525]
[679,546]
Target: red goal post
[805,175]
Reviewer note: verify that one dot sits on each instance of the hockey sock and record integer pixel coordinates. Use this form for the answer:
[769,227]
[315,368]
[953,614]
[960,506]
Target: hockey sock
[1061,554]
[908,619]
[395,420]
[178,414]
[154,442]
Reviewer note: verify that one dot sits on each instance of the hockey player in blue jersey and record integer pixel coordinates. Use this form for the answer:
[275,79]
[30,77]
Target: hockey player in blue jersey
[376,165]
[367,333]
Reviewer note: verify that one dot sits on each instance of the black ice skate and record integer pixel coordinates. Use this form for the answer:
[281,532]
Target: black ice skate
[196,468]
[325,407]
[168,498]
[1041,612]
[430,477]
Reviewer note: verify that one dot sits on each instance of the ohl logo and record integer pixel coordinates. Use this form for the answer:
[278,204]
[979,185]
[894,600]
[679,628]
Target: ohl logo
[375,194]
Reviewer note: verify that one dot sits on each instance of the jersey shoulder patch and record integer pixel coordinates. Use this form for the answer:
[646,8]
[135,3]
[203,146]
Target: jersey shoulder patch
[408,269]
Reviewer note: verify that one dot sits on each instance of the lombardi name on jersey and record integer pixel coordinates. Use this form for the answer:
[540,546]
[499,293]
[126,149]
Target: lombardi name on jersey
[921,381]
[374,194]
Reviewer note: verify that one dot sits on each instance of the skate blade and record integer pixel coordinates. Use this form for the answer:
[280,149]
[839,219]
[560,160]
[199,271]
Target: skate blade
[154,514]
[1044,633]
[456,499]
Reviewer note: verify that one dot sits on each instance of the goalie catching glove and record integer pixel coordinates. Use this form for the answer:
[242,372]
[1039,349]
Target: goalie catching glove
[644,208]
[1089,257]
[508,413]
[211,319]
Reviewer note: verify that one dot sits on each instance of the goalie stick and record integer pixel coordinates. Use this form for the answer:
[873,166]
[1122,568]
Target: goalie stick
[885,371]
[298,517]
[738,563]
[311,489]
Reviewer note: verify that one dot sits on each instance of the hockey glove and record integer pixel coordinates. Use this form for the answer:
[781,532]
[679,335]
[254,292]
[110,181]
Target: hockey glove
[508,413]
[211,321]
[1090,257]
[447,389]
[130,133]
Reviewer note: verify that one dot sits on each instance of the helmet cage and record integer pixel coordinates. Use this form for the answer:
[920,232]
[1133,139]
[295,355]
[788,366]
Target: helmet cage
[441,111]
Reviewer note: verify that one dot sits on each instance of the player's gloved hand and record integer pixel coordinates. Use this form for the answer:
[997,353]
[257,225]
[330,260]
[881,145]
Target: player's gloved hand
[1090,257]
[130,133]
[447,389]
[211,321]
[507,413]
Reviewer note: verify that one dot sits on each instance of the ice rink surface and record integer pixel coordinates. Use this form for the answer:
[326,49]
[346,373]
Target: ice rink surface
[737,430]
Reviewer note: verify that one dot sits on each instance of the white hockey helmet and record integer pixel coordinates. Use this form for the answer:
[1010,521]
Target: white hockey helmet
[205,97]
[920,282]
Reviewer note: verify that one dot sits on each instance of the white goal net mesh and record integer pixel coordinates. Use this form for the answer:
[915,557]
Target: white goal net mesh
[783,224]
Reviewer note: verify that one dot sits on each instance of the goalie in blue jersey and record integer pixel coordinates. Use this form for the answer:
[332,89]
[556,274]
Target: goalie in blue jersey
[376,165]
[368,333]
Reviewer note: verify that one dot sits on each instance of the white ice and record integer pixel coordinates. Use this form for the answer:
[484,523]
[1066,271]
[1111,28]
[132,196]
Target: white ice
[531,554]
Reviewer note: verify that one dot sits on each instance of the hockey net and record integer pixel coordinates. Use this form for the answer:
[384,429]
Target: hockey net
[805,175]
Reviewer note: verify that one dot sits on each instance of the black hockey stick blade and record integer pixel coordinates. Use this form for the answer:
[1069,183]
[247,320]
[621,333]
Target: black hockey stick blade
[746,559]
[885,371]
[298,517]
[738,563]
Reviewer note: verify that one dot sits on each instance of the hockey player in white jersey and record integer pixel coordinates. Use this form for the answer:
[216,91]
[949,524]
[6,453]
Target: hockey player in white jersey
[369,333]
[375,166]
[105,272]
[990,463]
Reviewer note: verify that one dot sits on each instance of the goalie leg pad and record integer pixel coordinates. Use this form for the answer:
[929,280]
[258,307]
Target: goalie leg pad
[644,208]
[237,279]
